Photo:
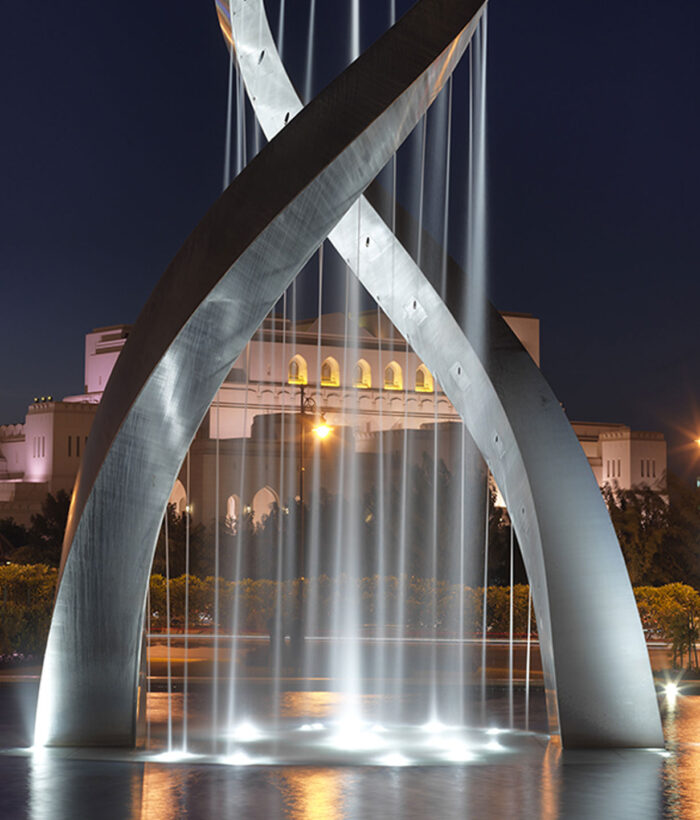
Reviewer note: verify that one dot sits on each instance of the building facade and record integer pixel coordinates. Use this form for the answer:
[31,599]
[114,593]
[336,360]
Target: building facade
[358,377]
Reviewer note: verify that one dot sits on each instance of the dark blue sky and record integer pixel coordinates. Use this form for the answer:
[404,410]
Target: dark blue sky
[112,149]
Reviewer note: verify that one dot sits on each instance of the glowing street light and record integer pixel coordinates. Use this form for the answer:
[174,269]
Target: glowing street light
[322,430]
[307,406]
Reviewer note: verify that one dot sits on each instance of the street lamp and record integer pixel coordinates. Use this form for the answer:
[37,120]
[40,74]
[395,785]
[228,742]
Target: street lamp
[307,406]
[322,430]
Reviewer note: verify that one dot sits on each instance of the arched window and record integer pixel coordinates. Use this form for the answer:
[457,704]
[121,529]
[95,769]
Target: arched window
[263,503]
[330,373]
[297,372]
[393,376]
[362,375]
[424,380]
[178,497]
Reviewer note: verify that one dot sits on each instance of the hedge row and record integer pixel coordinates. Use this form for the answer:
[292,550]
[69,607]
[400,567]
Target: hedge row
[670,613]
[26,601]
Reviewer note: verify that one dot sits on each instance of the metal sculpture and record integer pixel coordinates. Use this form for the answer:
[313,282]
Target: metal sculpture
[600,690]
[215,293]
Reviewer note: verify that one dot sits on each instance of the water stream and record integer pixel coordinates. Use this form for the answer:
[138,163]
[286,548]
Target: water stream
[394,617]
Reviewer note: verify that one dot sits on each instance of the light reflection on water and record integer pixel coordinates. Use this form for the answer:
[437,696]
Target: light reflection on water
[310,793]
[550,781]
[682,769]
[538,783]
[537,780]
[160,786]
[310,705]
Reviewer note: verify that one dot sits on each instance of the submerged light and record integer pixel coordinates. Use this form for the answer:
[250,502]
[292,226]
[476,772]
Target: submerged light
[393,759]
[246,733]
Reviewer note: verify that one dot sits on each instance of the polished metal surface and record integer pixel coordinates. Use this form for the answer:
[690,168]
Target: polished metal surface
[215,293]
[597,672]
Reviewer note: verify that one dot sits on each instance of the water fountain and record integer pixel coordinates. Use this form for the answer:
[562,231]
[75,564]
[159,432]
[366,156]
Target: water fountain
[211,300]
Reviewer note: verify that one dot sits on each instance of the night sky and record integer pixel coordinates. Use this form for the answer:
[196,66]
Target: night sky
[113,123]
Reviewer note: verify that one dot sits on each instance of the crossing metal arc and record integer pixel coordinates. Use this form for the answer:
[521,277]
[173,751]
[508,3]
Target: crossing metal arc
[211,299]
[600,690]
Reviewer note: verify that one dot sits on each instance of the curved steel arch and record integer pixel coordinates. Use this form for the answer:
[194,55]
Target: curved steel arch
[181,350]
[600,690]
[217,290]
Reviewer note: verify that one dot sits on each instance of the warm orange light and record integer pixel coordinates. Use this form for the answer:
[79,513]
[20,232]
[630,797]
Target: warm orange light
[322,430]
[697,441]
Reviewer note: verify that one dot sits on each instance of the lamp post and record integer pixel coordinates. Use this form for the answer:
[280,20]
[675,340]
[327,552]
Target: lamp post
[307,406]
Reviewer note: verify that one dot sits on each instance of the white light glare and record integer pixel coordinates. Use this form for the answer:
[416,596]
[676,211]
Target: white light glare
[434,727]
[238,758]
[393,759]
[671,690]
[457,751]
[174,756]
[310,727]
[354,737]
[495,731]
[246,733]
[39,752]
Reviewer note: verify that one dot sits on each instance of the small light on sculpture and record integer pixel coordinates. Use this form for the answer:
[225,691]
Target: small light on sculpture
[322,430]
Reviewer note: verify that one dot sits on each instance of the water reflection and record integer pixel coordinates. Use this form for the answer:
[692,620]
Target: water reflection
[610,784]
[161,786]
[682,769]
[550,780]
[539,781]
[528,779]
[312,794]
[60,788]
[310,705]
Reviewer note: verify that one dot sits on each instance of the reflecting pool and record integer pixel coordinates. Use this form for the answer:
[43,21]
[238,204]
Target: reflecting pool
[492,774]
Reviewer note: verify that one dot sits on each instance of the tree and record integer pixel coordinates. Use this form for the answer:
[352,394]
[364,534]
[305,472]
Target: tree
[659,534]
[680,558]
[672,612]
[177,546]
[640,518]
[12,536]
[44,539]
